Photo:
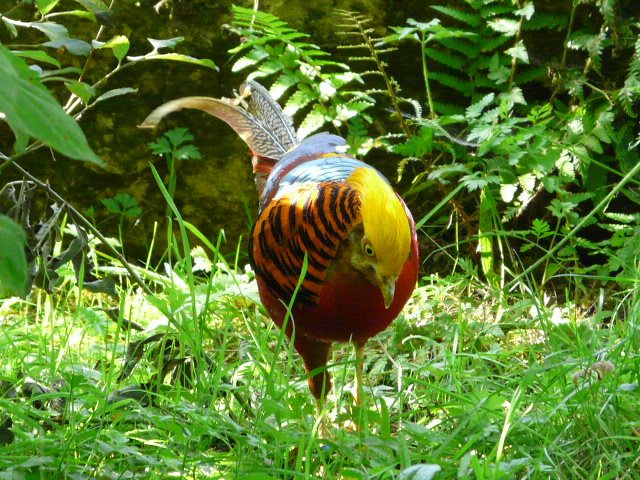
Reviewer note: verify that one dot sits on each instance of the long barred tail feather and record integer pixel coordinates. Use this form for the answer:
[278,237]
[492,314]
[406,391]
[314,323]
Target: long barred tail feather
[254,115]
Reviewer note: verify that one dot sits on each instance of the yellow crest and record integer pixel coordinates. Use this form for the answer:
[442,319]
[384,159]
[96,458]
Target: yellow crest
[384,218]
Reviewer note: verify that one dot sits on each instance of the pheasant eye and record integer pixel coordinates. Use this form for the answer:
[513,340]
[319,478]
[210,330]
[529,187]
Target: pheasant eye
[368,249]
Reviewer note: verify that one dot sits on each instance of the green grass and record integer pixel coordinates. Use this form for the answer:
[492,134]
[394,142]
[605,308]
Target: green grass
[467,383]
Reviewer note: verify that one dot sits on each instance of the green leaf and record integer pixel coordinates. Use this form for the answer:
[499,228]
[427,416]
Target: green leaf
[311,123]
[179,135]
[468,18]
[449,59]
[118,44]
[168,43]
[38,55]
[476,109]
[519,52]
[31,110]
[13,262]
[527,11]
[96,7]
[45,6]
[457,83]
[485,227]
[417,145]
[53,31]
[82,90]
[13,31]
[205,62]
[505,25]
[298,100]
[187,152]
[116,92]
[73,45]
[123,204]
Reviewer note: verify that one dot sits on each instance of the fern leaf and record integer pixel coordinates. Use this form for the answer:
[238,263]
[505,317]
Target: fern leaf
[490,44]
[449,59]
[463,86]
[530,75]
[298,100]
[506,26]
[470,19]
[250,59]
[311,123]
[282,84]
[547,21]
[447,108]
[476,109]
[493,10]
[465,46]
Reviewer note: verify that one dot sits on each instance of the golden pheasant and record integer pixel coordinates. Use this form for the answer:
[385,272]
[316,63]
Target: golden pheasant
[325,210]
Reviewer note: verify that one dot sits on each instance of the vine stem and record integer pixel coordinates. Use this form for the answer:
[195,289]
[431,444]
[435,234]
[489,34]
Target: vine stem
[569,31]
[514,60]
[425,73]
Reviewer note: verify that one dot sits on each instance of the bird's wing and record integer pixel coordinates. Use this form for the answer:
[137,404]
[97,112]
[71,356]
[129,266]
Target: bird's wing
[310,219]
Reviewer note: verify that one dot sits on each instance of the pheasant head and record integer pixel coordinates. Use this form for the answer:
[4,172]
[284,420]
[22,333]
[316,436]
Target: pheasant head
[380,245]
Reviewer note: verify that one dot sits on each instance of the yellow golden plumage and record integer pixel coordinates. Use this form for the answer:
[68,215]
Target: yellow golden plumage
[384,218]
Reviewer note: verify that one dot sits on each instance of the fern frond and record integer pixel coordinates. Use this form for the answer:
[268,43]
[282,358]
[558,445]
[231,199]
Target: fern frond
[449,59]
[489,11]
[465,46]
[492,43]
[465,87]
[470,19]
[530,74]
[547,21]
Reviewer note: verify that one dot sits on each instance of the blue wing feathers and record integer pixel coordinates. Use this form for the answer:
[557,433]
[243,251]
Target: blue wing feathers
[315,160]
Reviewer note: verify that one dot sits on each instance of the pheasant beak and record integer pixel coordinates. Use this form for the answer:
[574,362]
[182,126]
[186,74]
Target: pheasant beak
[387,286]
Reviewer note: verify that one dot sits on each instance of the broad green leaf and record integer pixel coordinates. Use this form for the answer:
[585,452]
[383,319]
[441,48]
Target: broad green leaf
[38,55]
[118,44]
[31,110]
[94,6]
[116,92]
[177,57]
[73,45]
[168,43]
[82,90]
[53,31]
[45,6]
[13,263]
